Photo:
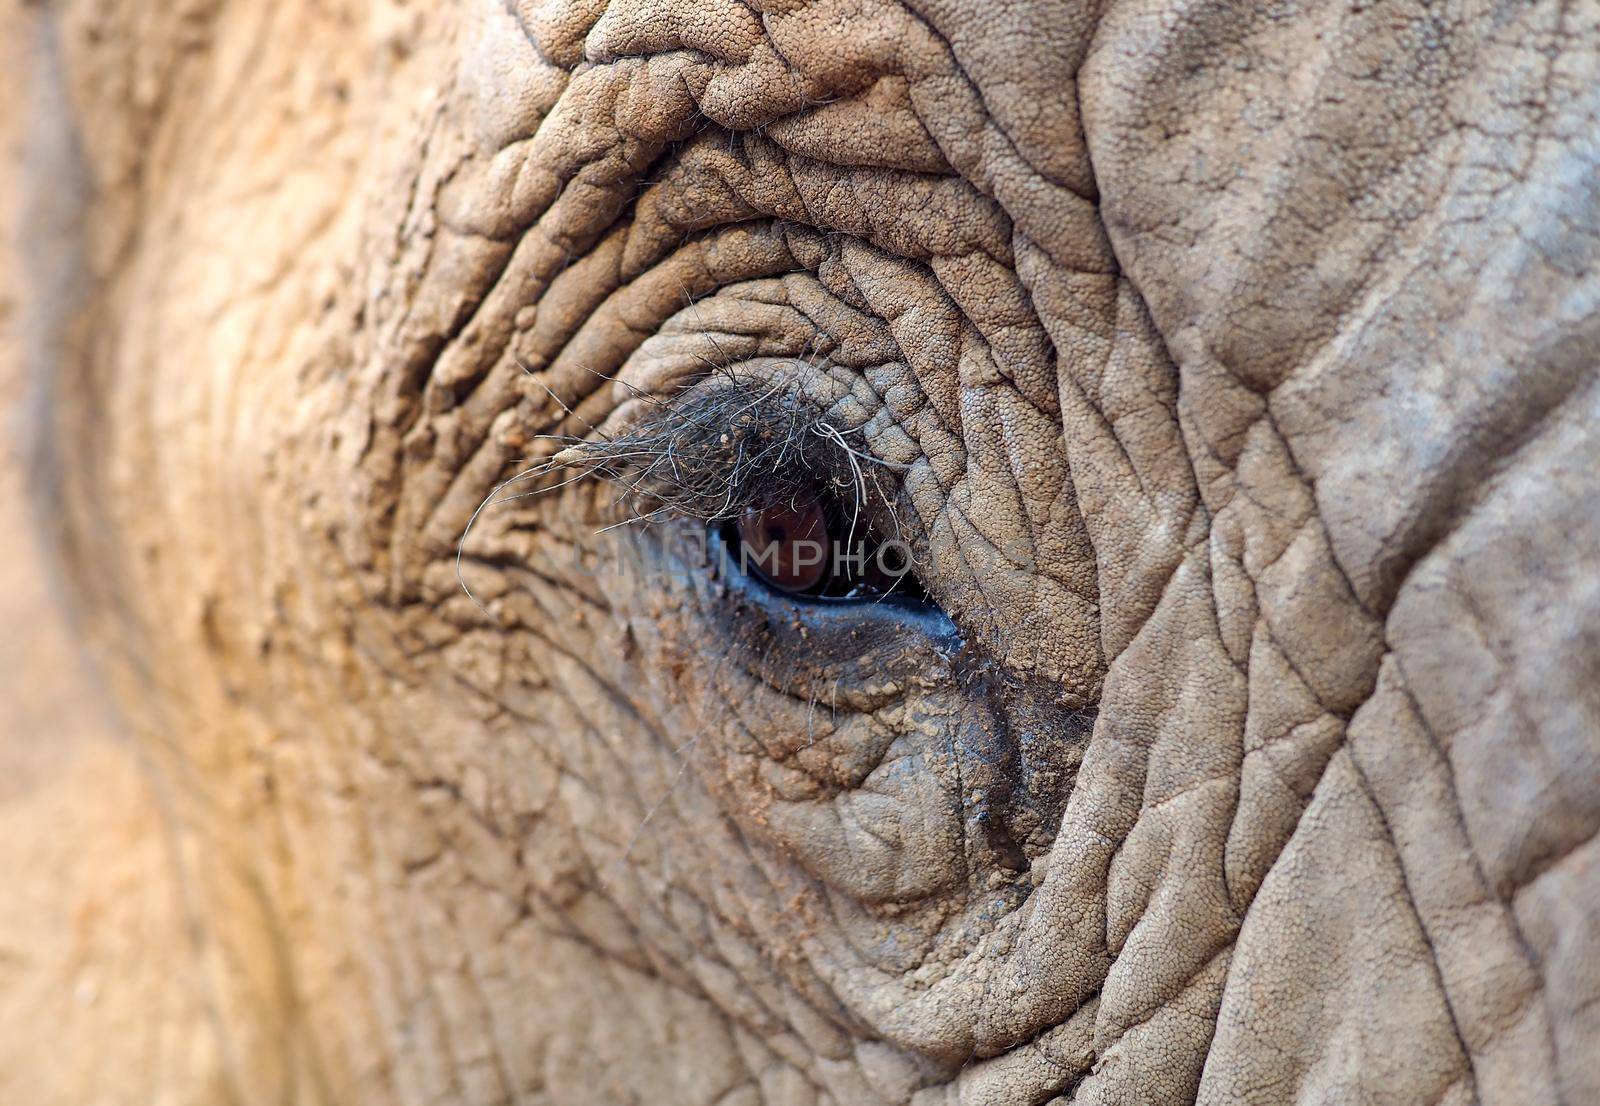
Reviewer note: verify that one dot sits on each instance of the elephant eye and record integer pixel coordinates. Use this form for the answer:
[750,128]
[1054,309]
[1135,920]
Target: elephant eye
[789,503]
[817,546]
[786,546]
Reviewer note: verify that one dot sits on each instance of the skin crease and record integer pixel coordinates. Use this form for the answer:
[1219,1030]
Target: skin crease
[1236,365]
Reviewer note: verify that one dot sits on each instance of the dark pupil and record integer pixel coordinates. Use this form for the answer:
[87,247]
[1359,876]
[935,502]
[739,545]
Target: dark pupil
[810,548]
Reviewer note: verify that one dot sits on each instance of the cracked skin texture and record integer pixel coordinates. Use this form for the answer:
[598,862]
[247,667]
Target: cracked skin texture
[1238,366]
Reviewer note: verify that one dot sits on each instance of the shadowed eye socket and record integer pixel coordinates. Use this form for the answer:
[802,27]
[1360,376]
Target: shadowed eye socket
[818,547]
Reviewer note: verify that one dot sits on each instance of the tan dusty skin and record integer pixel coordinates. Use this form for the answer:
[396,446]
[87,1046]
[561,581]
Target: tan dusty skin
[1236,369]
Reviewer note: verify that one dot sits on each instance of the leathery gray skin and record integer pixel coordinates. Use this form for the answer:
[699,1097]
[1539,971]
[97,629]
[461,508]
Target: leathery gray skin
[1233,367]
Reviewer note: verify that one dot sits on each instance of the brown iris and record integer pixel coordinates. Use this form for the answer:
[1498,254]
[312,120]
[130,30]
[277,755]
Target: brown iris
[820,548]
[787,545]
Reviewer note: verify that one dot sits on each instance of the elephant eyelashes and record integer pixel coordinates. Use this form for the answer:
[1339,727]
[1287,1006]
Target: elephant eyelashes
[815,546]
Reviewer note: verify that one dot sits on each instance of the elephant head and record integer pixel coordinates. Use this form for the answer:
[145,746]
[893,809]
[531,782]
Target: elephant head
[456,389]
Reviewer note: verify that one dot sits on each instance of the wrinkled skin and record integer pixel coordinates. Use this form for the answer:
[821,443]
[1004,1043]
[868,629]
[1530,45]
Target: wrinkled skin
[1238,368]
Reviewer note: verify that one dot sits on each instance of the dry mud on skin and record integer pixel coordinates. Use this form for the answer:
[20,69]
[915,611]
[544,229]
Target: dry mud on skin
[1231,372]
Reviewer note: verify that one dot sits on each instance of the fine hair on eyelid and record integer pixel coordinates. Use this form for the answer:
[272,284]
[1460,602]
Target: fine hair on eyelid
[732,446]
